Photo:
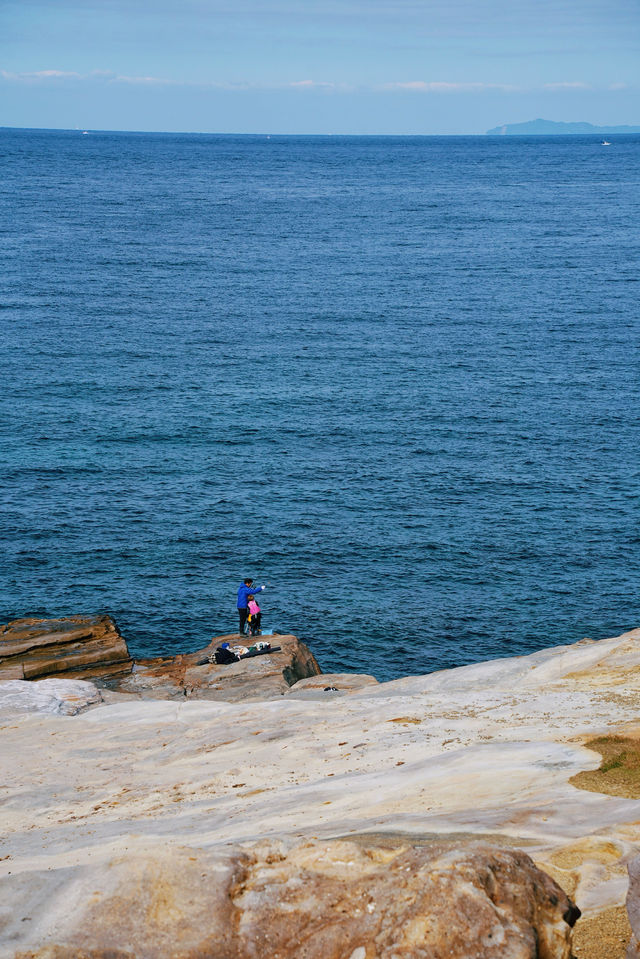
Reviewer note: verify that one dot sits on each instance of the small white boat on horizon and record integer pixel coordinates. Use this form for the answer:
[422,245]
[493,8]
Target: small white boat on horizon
[605,143]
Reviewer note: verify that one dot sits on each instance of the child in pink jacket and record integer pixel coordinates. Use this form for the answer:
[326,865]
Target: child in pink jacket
[254,617]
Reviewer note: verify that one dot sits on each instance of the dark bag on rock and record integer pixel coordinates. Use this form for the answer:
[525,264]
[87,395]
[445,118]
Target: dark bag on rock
[223,656]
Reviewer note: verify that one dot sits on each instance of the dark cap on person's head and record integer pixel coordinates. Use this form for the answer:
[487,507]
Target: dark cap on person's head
[248,581]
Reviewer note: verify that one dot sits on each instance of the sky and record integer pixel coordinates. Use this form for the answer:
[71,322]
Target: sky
[317,66]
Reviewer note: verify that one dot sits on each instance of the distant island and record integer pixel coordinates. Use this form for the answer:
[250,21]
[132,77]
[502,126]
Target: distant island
[553,128]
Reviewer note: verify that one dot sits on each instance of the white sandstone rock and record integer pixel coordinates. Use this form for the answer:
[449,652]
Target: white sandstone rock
[65,697]
[485,751]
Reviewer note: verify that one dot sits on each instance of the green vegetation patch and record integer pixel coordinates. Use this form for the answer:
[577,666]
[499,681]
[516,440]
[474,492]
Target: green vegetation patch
[619,771]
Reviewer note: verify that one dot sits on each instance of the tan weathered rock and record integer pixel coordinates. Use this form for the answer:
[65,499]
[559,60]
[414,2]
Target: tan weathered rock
[317,900]
[332,682]
[75,647]
[91,648]
[633,908]
[261,677]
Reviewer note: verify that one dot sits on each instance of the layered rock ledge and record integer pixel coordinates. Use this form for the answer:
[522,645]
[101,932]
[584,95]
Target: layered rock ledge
[482,754]
[91,648]
[73,647]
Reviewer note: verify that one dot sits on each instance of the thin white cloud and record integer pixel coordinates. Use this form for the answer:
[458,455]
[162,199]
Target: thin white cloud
[138,80]
[441,86]
[401,86]
[41,75]
[313,84]
[284,85]
[567,85]
[50,74]
[409,85]
[107,75]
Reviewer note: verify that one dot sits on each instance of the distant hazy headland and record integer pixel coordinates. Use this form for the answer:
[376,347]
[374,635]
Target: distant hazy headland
[551,127]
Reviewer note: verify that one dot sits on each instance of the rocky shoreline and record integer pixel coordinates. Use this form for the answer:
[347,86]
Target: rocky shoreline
[92,648]
[172,807]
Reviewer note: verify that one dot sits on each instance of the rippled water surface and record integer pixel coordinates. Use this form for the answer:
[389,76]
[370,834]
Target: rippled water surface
[397,378]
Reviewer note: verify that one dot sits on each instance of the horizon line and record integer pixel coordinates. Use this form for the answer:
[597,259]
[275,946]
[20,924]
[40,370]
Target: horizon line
[237,133]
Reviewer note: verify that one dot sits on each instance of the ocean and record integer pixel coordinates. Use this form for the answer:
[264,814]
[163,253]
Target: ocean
[396,378]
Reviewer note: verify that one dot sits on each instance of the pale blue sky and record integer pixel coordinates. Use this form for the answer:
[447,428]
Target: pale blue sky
[317,66]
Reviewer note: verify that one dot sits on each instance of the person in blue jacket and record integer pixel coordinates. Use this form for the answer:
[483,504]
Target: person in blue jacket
[245,589]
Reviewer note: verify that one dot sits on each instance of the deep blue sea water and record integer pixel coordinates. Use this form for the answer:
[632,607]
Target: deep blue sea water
[395,377]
